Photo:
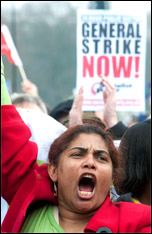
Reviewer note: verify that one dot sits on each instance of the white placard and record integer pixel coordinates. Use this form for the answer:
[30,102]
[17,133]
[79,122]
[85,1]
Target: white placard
[113,44]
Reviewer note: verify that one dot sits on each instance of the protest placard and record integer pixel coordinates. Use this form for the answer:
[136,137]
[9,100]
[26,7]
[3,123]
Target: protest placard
[112,44]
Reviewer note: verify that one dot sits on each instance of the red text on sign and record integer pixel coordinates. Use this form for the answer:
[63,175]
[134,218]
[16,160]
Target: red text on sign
[120,64]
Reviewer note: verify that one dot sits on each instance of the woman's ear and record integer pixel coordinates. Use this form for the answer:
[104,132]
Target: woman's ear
[52,170]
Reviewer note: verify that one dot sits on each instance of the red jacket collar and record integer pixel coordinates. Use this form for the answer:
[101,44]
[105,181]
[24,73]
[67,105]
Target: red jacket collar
[106,216]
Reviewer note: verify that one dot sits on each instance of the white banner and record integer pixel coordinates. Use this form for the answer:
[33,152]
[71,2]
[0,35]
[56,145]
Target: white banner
[112,44]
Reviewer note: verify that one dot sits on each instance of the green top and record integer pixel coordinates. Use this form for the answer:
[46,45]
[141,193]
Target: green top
[5,98]
[40,219]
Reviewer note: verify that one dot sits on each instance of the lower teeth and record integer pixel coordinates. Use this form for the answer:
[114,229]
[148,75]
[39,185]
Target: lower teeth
[85,193]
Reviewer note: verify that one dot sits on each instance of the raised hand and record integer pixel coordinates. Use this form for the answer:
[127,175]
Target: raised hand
[76,113]
[29,87]
[109,96]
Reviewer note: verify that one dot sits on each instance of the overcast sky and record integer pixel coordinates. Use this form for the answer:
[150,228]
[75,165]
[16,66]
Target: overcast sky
[115,5]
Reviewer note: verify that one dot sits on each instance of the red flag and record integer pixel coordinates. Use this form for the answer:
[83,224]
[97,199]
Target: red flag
[8,48]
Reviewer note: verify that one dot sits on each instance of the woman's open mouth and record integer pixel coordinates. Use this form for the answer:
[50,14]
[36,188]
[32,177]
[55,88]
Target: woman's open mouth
[86,186]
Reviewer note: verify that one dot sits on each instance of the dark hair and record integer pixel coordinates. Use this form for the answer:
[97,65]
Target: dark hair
[94,120]
[61,110]
[62,142]
[135,153]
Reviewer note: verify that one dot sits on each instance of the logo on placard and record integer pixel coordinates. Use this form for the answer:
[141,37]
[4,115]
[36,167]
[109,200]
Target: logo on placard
[97,88]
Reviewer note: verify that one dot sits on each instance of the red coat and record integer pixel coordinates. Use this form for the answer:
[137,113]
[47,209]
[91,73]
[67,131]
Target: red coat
[23,182]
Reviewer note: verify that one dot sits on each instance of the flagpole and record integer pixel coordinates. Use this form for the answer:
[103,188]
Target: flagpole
[23,75]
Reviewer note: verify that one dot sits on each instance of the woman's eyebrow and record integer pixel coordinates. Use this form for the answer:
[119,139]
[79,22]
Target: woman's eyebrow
[79,148]
[101,152]
[95,151]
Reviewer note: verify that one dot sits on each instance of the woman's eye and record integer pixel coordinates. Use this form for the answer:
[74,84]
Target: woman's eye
[77,154]
[101,158]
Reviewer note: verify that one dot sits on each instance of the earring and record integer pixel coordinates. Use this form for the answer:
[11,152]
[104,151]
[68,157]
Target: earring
[55,190]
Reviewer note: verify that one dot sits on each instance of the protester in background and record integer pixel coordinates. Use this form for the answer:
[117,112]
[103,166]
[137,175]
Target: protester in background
[25,100]
[30,88]
[43,127]
[61,111]
[135,152]
[137,118]
[109,114]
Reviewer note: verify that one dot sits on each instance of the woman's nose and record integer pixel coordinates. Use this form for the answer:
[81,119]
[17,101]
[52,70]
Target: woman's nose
[89,162]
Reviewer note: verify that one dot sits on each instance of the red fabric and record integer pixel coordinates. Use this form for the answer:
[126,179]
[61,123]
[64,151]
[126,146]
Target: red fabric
[24,182]
[5,49]
[122,217]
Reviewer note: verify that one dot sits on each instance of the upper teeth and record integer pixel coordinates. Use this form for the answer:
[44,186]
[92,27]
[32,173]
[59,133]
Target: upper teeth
[88,176]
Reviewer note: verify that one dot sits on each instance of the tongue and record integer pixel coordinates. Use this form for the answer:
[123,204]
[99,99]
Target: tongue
[85,188]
